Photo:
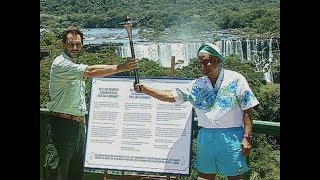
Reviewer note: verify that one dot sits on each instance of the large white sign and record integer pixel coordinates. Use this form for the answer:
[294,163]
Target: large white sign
[135,132]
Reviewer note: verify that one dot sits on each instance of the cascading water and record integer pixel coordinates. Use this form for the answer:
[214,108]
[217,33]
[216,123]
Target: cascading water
[162,52]
[261,52]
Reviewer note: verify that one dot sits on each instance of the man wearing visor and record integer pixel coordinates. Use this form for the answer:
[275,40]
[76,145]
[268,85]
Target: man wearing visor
[223,102]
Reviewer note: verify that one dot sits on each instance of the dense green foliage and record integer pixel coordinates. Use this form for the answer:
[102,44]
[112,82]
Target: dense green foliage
[182,16]
[269,95]
[264,160]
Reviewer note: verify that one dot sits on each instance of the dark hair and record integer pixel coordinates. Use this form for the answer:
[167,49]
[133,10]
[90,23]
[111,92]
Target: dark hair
[74,31]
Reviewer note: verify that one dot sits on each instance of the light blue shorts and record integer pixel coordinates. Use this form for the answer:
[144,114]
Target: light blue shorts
[219,151]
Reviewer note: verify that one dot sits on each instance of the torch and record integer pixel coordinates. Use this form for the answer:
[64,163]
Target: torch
[128,26]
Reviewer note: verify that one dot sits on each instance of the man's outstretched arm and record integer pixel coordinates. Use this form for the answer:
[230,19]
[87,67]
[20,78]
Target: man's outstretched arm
[100,70]
[158,94]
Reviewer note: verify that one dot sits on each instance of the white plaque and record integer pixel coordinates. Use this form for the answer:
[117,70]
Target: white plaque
[135,132]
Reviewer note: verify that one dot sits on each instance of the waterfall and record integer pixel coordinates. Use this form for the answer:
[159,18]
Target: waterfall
[248,49]
[259,51]
[231,46]
[162,52]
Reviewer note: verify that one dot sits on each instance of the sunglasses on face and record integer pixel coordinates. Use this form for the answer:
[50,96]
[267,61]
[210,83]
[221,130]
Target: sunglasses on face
[204,63]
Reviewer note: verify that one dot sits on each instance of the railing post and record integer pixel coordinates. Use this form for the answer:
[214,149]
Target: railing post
[173,62]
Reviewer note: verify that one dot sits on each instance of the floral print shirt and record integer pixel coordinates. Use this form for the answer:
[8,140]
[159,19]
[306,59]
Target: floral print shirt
[221,105]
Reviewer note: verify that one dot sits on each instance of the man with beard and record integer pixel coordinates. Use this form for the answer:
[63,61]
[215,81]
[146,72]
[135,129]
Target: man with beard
[223,102]
[66,126]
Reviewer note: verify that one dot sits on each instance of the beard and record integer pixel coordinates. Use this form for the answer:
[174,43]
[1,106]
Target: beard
[73,53]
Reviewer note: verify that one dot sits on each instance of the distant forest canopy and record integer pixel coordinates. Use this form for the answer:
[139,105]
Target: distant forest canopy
[248,16]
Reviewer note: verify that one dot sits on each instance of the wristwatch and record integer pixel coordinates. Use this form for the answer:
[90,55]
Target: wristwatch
[248,136]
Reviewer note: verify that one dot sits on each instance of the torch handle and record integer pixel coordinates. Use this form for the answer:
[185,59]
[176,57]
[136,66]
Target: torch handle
[132,50]
[135,71]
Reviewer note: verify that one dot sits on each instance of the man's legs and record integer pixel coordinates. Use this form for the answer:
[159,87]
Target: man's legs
[202,176]
[219,151]
[77,162]
[61,140]
[230,160]
[205,163]
[239,177]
